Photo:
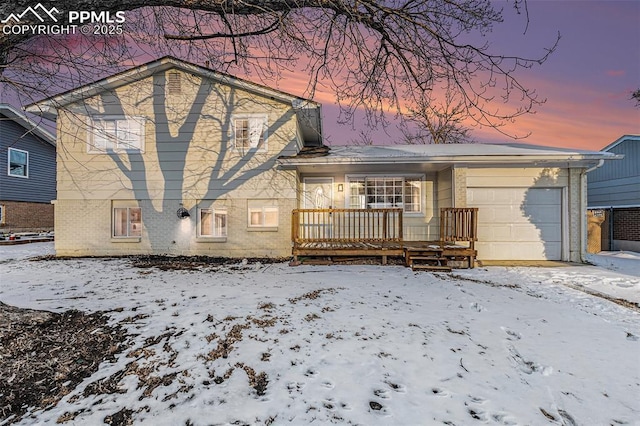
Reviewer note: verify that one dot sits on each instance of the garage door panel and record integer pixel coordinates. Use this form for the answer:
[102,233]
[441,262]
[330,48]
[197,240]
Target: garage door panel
[544,196]
[505,251]
[518,223]
[541,214]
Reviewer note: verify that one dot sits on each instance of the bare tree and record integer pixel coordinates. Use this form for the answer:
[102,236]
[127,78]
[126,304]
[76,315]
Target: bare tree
[376,55]
[438,118]
[636,97]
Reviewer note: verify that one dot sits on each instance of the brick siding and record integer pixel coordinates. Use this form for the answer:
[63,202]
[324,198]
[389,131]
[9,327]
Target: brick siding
[626,224]
[26,217]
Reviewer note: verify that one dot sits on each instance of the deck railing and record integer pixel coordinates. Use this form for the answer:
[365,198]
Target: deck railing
[376,225]
[459,224]
[346,225]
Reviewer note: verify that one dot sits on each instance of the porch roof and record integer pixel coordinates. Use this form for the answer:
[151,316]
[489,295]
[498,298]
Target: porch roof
[462,154]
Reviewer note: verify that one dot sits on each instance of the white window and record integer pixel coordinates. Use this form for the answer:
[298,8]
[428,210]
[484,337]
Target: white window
[127,221]
[213,223]
[18,163]
[370,192]
[250,132]
[1,214]
[263,217]
[116,134]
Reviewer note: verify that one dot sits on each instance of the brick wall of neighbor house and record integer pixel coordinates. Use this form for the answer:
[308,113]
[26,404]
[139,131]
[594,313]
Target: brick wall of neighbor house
[26,217]
[626,224]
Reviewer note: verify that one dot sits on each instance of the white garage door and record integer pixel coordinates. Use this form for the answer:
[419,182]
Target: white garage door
[518,223]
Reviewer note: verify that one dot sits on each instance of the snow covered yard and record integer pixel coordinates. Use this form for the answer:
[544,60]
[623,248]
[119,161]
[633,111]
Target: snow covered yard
[358,344]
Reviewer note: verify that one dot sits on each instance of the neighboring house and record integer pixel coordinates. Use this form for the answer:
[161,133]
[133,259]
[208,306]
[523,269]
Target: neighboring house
[27,174]
[173,158]
[614,196]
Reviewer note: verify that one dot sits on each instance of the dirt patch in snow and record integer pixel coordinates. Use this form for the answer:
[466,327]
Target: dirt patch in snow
[45,355]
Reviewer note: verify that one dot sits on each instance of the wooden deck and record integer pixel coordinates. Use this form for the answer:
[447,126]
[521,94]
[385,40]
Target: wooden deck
[378,232]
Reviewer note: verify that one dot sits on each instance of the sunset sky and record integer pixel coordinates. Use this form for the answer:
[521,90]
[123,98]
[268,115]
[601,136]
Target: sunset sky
[587,82]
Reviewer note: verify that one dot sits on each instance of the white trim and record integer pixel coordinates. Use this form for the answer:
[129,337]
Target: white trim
[412,176]
[92,128]
[2,214]
[26,176]
[212,237]
[565,226]
[48,107]
[265,131]
[263,211]
[115,237]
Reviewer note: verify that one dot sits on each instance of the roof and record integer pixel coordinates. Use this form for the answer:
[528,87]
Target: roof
[308,111]
[449,153]
[24,121]
[620,140]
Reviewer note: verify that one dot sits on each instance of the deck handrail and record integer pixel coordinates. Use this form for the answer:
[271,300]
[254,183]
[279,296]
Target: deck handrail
[459,224]
[346,225]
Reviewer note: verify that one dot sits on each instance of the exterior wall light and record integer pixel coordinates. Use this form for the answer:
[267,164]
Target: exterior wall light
[183,213]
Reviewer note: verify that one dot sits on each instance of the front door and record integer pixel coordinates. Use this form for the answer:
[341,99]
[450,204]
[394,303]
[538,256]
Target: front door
[318,194]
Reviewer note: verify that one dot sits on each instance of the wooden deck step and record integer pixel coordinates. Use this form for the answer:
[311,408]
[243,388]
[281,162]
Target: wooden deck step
[421,267]
[438,258]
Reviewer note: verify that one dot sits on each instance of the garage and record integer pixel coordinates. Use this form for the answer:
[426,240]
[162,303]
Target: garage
[518,223]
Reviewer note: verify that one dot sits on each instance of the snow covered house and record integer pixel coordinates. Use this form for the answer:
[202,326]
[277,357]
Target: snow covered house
[28,173]
[173,158]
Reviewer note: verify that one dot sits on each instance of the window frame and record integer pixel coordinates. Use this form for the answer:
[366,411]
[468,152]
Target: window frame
[129,222]
[213,237]
[263,210]
[262,146]
[26,165]
[2,214]
[405,179]
[94,128]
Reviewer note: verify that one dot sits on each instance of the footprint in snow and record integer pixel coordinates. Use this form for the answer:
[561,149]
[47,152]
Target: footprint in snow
[512,335]
[477,400]
[478,307]
[478,414]
[439,392]
[504,419]
[380,393]
[311,373]
[396,387]
[327,384]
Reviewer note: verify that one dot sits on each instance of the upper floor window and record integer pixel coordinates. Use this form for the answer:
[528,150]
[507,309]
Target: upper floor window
[250,132]
[18,163]
[385,192]
[116,134]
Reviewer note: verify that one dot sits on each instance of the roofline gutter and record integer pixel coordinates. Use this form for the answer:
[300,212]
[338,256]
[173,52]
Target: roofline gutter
[477,159]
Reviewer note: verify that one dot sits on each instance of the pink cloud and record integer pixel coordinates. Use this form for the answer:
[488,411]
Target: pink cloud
[616,73]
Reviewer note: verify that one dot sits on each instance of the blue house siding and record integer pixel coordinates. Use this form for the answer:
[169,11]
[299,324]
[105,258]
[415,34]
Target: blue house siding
[617,183]
[615,187]
[40,186]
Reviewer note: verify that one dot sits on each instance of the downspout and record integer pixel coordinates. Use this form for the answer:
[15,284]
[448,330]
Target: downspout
[611,228]
[583,221]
